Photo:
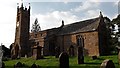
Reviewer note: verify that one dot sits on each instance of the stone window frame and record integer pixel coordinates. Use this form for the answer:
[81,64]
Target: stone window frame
[80,38]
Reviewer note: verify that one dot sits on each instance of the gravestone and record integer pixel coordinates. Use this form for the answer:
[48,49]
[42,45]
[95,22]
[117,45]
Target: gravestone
[57,51]
[37,52]
[71,51]
[107,64]
[26,56]
[94,57]
[18,65]
[80,55]
[34,66]
[3,65]
[64,60]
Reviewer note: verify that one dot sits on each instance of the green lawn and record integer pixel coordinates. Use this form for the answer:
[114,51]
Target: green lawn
[51,61]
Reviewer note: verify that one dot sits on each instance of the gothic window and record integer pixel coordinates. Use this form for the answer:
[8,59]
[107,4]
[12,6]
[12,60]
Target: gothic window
[80,40]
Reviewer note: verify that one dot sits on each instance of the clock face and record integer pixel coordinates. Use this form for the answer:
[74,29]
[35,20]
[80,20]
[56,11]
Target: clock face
[17,23]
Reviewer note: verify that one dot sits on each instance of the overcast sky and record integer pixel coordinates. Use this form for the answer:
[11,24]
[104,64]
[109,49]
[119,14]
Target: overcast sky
[51,13]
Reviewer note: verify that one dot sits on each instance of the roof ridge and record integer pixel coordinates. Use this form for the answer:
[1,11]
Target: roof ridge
[81,21]
[81,26]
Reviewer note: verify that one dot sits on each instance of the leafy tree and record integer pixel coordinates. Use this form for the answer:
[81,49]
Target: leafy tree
[6,51]
[114,36]
[36,27]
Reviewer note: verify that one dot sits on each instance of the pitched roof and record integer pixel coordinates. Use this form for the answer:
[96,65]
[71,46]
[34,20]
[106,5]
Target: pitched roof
[82,26]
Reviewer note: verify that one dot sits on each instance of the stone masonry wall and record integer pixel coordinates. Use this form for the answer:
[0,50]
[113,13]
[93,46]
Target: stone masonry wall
[91,44]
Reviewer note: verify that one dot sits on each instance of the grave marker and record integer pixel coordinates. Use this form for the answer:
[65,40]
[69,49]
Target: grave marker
[80,55]
[64,60]
[94,57]
[34,66]
[18,65]
[107,64]
[3,65]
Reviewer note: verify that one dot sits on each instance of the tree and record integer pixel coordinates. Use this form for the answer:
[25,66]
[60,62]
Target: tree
[6,51]
[35,27]
[114,34]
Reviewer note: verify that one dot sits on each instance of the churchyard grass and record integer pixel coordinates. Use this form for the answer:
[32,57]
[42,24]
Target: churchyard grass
[51,61]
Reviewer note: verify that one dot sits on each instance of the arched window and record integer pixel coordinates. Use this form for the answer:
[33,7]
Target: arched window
[80,41]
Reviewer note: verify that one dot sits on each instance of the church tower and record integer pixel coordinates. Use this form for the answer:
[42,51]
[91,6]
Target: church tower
[21,42]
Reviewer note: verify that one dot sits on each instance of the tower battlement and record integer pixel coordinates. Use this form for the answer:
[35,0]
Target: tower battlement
[21,42]
[23,8]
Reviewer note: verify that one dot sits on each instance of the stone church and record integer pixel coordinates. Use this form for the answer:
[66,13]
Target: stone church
[90,34]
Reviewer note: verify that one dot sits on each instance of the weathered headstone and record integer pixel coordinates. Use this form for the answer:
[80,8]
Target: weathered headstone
[3,65]
[18,65]
[26,56]
[107,64]
[71,51]
[57,51]
[37,52]
[64,60]
[34,66]
[94,57]
[80,55]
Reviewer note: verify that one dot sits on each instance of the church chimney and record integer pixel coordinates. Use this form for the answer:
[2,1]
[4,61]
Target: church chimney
[100,14]
[62,23]
[101,17]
